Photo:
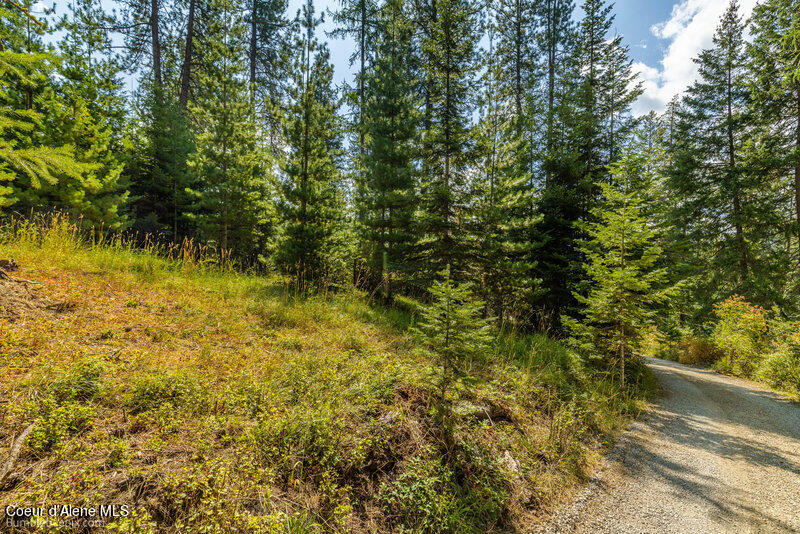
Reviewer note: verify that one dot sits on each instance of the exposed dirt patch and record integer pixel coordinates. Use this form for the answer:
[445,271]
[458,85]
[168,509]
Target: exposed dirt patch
[23,298]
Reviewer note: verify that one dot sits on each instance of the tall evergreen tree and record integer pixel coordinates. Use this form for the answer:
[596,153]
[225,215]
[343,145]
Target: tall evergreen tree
[594,48]
[515,56]
[47,136]
[561,201]
[359,20]
[619,89]
[723,207]
[232,209]
[267,39]
[627,285]
[502,193]
[312,204]
[27,161]
[557,46]
[391,122]
[774,57]
[189,53]
[92,116]
[158,170]
[450,53]
[142,25]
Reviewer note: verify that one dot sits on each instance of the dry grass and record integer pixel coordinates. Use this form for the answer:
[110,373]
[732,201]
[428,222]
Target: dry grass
[205,400]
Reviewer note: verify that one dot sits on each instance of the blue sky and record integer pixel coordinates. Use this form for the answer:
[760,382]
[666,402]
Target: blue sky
[663,35]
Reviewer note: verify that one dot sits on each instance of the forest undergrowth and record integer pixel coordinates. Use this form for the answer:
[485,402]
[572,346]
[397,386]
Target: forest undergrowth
[207,399]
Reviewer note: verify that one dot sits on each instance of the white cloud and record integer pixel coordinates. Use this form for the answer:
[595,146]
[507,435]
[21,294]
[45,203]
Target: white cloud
[689,29]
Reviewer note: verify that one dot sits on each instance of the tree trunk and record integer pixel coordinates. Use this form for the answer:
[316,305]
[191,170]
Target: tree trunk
[253,51]
[551,80]
[737,207]
[186,69]
[797,173]
[518,66]
[362,53]
[156,45]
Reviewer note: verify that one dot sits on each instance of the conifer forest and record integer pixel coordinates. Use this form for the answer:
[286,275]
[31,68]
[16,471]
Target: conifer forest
[493,139]
[475,218]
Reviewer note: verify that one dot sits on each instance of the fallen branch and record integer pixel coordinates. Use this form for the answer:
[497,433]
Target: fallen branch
[16,448]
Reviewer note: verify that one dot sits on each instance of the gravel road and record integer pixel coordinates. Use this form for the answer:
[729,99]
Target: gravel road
[716,454]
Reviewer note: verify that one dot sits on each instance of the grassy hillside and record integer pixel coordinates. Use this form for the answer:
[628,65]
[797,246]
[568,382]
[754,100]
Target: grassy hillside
[207,399]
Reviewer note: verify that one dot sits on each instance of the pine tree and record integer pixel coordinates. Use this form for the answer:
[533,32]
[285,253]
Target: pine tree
[515,58]
[312,205]
[92,117]
[557,45]
[594,48]
[267,70]
[619,89]
[359,19]
[503,204]
[608,87]
[231,209]
[26,162]
[626,283]
[449,50]
[190,55]
[723,208]
[32,159]
[453,331]
[168,65]
[774,56]
[158,170]
[561,199]
[391,129]
[141,24]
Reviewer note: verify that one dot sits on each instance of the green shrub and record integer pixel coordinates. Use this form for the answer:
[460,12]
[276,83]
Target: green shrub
[419,498]
[698,350]
[304,439]
[59,422]
[780,370]
[81,383]
[179,389]
[464,495]
[117,454]
[740,333]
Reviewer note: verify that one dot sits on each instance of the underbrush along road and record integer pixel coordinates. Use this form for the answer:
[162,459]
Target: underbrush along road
[715,454]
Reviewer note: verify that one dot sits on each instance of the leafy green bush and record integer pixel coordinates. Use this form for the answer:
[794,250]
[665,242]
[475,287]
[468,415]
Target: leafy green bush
[59,422]
[741,334]
[418,498]
[780,370]
[748,341]
[430,496]
[698,350]
[303,439]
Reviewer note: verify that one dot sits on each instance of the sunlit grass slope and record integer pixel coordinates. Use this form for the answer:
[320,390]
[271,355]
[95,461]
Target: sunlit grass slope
[207,399]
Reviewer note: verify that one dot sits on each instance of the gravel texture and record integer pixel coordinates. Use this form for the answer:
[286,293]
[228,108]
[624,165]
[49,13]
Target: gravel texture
[715,454]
